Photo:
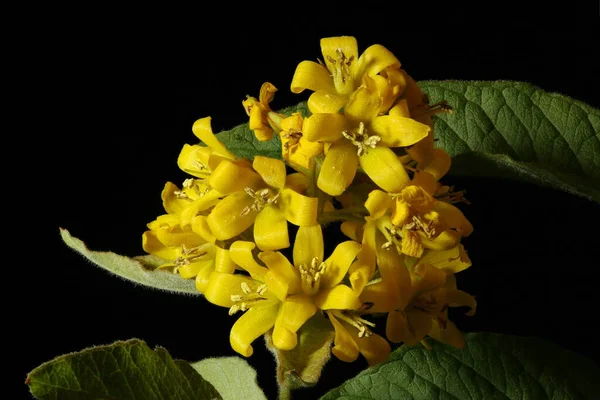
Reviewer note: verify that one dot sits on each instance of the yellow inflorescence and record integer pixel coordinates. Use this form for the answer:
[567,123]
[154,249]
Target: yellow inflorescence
[364,156]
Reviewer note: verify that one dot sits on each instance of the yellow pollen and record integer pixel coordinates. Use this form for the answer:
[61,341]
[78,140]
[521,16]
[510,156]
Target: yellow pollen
[247,298]
[361,139]
[262,198]
[181,195]
[311,276]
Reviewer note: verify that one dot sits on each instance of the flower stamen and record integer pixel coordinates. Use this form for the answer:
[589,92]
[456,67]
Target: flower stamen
[361,139]
[262,198]
[311,276]
[247,298]
[356,321]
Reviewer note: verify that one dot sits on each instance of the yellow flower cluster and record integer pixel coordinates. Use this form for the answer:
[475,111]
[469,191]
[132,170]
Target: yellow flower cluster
[364,156]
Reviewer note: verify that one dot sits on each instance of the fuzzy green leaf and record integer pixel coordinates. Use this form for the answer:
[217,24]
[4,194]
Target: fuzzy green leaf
[491,366]
[120,371]
[516,130]
[140,269]
[233,377]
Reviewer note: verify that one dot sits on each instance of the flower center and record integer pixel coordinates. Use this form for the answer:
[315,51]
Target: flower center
[188,256]
[356,321]
[342,78]
[293,137]
[262,198]
[311,276]
[247,299]
[361,139]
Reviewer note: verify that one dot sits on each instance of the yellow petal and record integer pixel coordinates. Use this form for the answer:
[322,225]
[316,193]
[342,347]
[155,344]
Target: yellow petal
[364,266]
[426,181]
[152,245]
[297,182]
[203,276]
[272,171]
[352,229]
[394,272]
[344,346]
[283,337]
[440,164]
[338,263]
[276,261]
[411,243]
[192,269]
[177,237]
[398,131]
[378,203]
[267,92]
[452,260]
[226,219]
[384,168]
[252,324]
[221,286]
[444,241]
[364,103]
[409,327]
[296,310]
[202,129]
[300,210]
[340,55]
[374,348]
[381,297]
[230,177]
[323,101]
[171,202]
[401,213]
[400,109]
[324,127]
[312,76]
[197,206]
[339,297]
[308,245]
[200,226]
[277,284]
[271,229]
[454,218]
[223,261]
[422,151]
[450,335]
[339,168]
[194,160]
[241,254]
[426,278]
[374,60]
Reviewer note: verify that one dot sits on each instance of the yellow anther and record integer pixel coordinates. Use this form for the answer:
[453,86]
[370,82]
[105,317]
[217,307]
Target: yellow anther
[311,275]
[356,321]
[262,198]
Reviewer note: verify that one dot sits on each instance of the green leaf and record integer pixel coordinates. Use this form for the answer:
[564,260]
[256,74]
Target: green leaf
[140,269]
[120,371]
[233,377]
[491,366]
[243,144]
[517,130]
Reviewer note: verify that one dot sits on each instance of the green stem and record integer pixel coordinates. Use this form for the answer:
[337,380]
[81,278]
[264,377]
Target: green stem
[285,392]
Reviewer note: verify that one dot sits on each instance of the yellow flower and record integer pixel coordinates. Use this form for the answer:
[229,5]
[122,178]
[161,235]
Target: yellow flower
[262,118]
[417,298]
[360,136]
[263,196]
[311,284]
[343,72]
[294,147]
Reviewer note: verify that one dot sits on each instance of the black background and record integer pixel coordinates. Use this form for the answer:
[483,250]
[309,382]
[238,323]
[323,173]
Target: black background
[123,107]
